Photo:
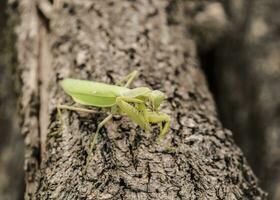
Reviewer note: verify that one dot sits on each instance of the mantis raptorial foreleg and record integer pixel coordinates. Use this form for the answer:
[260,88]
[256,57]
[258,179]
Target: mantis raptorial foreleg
[132,112]
[141,116]
[143,110]
[154,117]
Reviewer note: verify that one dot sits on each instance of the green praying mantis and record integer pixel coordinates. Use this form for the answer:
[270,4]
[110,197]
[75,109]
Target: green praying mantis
[140,104]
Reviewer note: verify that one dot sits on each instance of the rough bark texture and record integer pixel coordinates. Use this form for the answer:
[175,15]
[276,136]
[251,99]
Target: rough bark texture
[11,144]
[104,40]
[245,77]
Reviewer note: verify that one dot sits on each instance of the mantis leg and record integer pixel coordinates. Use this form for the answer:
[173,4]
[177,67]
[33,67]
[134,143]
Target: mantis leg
[142,108]
[73,108]
[132,112]
[100,125]
[60,107]
[95,137]
[155,117]
[128,78]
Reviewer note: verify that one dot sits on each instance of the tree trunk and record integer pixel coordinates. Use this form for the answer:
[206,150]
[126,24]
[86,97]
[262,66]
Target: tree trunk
[103,41]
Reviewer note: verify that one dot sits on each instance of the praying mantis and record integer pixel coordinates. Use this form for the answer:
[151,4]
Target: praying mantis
[140,104]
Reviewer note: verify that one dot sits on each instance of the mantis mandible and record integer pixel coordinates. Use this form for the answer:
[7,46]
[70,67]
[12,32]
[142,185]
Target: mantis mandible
[140,104]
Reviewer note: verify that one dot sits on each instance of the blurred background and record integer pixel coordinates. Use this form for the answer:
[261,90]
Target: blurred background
[11,141]
[241,63]
[243,72]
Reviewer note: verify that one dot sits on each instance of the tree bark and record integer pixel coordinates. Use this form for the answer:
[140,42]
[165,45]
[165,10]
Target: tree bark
[103,41]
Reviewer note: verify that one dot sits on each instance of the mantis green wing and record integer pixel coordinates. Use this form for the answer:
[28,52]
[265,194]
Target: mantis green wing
[92,93]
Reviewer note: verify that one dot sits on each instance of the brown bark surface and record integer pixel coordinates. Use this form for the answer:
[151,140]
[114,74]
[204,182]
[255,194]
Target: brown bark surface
[103,41]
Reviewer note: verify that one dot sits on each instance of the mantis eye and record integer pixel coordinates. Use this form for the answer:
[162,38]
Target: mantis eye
[156,98]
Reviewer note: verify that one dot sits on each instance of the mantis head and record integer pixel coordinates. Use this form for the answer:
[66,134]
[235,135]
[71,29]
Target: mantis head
[156,97]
